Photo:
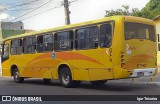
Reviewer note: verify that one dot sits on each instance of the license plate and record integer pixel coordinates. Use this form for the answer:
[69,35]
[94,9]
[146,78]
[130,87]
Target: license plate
[140,74]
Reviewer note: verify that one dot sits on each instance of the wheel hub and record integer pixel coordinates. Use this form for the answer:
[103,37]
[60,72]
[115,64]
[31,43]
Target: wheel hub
[17,76]
[65,78]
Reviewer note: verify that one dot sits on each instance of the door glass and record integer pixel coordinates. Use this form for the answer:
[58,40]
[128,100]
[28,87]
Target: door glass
[6,51]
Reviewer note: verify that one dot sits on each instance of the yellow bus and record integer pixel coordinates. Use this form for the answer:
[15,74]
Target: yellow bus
[110,48]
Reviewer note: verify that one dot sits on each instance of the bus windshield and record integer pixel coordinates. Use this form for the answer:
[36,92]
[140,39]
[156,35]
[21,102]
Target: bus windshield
[139,31]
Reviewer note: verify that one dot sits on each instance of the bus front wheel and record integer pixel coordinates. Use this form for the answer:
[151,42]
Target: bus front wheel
[98,83]
[65,77]
[17,77]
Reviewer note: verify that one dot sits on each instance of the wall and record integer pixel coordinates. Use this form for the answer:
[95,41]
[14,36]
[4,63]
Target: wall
[157,21]
[10,29]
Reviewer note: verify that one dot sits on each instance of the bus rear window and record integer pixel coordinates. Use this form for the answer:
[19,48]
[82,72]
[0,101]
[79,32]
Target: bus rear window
[139,31]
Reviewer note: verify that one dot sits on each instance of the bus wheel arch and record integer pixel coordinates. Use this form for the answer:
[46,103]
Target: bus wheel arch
[66,77]
[60,67]
[16,75]
[13,68]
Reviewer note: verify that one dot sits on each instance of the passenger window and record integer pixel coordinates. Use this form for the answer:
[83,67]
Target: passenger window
[29,44]
[105,35]
[64,41]
[16,46]
[45,43]
[40,45]
[87,38]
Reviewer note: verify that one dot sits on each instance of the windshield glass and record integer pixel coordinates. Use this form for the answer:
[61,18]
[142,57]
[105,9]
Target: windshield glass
[139,31]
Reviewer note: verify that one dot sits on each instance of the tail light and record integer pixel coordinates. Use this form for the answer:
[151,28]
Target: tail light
[122,60]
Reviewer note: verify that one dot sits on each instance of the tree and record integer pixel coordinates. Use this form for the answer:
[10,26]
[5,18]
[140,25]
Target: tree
[151,10]
[124,11]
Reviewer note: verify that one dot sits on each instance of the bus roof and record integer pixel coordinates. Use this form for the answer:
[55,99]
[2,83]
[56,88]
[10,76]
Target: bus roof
[81,24]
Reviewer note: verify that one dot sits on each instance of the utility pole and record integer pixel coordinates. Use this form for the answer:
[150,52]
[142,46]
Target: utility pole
[67,12]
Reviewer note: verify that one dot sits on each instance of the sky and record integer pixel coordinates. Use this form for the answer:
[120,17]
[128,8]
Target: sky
[81,10]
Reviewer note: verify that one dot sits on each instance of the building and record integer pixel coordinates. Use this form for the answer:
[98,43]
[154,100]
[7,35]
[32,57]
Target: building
[10,28]
[157,21]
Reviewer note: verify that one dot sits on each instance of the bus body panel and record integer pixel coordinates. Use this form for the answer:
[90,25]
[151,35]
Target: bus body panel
[141,54]
[96,61]
[140,50]
[90,64]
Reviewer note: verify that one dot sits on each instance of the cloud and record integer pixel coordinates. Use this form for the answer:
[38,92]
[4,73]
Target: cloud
[6,17]
[2,7]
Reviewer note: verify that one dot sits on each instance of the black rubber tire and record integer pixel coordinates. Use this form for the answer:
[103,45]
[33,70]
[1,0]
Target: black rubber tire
[46,80]
[98,83]
[65,78]
[17,77]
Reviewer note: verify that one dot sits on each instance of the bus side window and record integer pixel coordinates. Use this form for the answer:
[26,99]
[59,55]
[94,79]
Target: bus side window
[14,43]
[87,38]
[48,42]
[81,38]
[93,37]
[16,47]
[40,45]
[29,44]
[45,43]
[105,35]
[63,41]
[25,45]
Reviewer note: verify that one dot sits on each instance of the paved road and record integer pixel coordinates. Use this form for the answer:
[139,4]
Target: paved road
[114,87]
[141,86]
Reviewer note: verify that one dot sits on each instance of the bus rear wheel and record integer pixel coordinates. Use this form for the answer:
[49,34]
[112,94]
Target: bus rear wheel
[66,78]
[17,77]
[98,83]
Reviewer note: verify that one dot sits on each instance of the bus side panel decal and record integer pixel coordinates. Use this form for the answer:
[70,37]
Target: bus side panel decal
[65,56]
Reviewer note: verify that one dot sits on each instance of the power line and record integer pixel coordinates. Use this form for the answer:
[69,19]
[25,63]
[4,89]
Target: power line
[32,10]
[69,2]
[26,3]
[15,3]
[19,5]
[21,9]
[39,13]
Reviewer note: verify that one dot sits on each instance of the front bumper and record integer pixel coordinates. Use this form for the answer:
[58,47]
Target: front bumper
[143,72]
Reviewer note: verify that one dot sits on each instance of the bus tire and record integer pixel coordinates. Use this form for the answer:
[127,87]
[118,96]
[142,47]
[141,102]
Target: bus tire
[98,83]
[65,77]
[17,77]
